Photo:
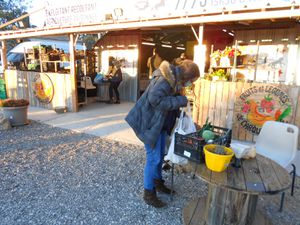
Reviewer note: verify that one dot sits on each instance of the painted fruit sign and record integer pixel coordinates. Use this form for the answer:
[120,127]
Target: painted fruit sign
[43,88]
[259,104]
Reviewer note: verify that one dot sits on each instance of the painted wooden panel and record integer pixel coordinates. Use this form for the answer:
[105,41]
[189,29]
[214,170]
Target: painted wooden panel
[20,85]
[218,100]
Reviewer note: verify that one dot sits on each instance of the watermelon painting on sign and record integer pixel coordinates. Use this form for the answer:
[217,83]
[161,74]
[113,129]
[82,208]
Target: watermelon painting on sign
[259,104]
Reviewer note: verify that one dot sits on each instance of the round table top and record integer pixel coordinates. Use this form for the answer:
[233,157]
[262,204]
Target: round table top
[260,175]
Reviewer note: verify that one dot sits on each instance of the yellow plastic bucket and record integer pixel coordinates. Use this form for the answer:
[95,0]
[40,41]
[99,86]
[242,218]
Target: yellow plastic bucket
[217,162]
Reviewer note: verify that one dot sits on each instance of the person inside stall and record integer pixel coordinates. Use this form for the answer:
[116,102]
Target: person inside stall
[78,69]
[151,119]
[154,61]
[79,75]
[114,77]
[180,59]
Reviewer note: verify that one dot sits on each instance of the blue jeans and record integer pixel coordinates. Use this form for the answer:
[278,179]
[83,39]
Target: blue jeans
[154,161]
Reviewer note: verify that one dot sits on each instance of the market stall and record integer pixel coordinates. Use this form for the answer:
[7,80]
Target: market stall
[42,75]
[236,16]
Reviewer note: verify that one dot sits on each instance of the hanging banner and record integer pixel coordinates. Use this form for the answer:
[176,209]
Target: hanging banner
[259,104]
[76,12]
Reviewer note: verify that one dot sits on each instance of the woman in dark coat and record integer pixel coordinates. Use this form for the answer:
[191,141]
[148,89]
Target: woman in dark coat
[148,118]
[115,78]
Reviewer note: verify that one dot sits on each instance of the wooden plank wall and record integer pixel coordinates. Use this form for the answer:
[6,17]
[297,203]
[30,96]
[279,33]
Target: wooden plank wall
[16,84]
[218,101]
[19,85]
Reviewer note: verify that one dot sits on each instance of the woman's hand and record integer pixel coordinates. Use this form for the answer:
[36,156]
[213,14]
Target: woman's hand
[108,76]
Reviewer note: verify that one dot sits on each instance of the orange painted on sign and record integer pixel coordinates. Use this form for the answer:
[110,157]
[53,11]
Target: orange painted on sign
[261,104]
[43,88]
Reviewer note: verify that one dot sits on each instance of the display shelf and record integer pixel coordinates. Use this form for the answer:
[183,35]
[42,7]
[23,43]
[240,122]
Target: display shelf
[221,67]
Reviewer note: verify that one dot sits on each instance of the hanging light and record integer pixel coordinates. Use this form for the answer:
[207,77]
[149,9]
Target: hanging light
[148,43]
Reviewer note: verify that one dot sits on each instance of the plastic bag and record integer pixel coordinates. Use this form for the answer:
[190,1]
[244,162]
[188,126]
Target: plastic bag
[243,151]
[99,78]
[184,126]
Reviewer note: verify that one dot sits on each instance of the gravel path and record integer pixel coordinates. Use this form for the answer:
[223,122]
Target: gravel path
[54,176]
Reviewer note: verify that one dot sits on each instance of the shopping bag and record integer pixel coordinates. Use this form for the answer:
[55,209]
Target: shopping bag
[185,125]
[99,78]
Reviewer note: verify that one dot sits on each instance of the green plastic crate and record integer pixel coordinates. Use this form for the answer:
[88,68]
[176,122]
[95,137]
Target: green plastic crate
[2,89]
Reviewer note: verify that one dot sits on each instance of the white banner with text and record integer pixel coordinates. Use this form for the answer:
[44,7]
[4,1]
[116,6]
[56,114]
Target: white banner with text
[76,12]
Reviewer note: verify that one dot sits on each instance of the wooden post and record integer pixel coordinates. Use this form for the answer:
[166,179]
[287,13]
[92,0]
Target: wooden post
[25,57]
[296,79]
[210,64]
[73,91]
[201,29]
[98,59]
[3,56]
[229,207]
[234,61]
[4,64]
[85,71]
[40,58]
[200,50]
[256,61]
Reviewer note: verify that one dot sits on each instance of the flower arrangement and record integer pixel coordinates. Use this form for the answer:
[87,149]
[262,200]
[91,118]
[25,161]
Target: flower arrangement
[227,52]
[13,102]
[216,55]
[220,74]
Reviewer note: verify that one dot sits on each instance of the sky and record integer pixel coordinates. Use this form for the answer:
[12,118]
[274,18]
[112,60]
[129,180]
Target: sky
[37,18]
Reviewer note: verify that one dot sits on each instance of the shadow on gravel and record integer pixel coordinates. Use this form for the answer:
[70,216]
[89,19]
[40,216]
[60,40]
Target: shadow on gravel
[50,175]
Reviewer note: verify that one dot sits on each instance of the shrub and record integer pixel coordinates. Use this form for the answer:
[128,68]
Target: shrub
[13,102]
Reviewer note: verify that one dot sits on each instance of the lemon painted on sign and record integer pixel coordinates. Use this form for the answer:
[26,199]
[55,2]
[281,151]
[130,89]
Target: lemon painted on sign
[43,88]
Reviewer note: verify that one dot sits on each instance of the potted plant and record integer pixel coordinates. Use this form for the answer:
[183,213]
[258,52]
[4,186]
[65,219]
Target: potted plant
[217,157]
[215,58]
[15,110]
[219,74]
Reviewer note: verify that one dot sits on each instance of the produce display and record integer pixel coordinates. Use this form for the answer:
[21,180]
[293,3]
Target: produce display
[219,74]
[191,145]
[207,133]
[56,60]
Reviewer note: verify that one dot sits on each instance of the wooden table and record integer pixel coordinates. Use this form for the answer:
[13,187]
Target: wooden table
[233,194]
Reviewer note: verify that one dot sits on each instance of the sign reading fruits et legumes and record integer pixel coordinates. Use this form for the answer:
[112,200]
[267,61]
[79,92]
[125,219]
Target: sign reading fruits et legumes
[78,12]
[259,104]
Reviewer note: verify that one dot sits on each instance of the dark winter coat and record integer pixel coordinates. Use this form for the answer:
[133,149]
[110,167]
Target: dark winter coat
[149,113]
[117,75]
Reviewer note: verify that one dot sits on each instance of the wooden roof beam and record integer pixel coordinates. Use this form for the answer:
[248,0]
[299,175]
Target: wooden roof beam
[150,23]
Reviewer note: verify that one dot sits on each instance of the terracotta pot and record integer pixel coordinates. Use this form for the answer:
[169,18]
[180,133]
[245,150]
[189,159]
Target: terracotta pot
[16,115]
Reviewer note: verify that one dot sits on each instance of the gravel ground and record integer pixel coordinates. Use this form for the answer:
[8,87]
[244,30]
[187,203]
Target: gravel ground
[54,176]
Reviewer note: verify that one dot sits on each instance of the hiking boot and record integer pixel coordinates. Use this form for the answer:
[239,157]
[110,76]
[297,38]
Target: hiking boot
[150,198]
[166,166]
[160,187]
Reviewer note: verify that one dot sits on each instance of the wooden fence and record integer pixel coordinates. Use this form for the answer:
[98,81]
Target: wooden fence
[218,100]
